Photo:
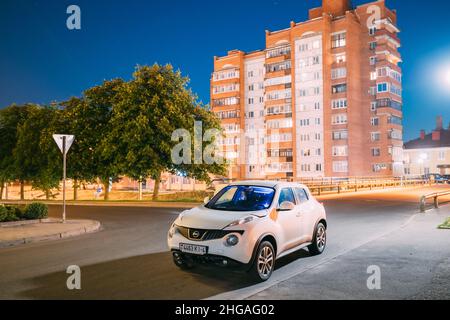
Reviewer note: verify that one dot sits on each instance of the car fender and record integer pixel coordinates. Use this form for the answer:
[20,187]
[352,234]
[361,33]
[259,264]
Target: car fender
[257,243]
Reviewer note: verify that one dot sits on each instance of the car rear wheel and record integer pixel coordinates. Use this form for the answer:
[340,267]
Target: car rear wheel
[264,263]
[319,240]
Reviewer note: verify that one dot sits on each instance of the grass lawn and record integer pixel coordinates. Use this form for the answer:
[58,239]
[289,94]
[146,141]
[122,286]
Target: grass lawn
[445,225]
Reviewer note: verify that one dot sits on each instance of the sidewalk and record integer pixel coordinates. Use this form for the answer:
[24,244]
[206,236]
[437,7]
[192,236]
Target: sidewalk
[50,229]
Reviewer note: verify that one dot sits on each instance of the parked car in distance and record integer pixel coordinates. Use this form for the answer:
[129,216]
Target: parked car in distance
[249,225]
[437,178]
[447,178]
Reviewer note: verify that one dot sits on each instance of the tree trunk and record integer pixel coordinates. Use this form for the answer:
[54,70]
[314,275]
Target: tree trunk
[140,189]
[22,190]
[2,187]
[106,186]
[47,194]
[157,185]
[75,190]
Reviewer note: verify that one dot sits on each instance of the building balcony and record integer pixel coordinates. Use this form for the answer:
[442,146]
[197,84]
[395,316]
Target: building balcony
[388,103]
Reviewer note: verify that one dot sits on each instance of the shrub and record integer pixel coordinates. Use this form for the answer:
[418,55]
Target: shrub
[3,213]
[36,211]
[16,213]
[9,214]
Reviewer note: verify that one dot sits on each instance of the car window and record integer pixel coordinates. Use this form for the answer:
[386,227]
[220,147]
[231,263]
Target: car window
[242,198]
[286,194]
[302,195]
[227,197]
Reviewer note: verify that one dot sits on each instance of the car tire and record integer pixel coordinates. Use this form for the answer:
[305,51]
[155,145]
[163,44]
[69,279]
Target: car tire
[319,240]
[181,262]
[264,263]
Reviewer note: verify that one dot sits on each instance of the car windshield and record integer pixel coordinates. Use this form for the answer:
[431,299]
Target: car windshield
[242,198]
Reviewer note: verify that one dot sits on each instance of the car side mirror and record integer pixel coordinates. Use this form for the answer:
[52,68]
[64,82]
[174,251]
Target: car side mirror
[206,200]
[286,206]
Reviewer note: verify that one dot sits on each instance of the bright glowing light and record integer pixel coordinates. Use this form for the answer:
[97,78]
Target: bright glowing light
[447,77]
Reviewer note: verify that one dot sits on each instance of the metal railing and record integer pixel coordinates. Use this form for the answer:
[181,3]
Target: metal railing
[322,186]
[355,185]
[435,197]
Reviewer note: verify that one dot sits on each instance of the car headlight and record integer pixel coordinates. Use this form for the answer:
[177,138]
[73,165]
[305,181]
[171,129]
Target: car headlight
[232,240]
[173,229]
[240,222]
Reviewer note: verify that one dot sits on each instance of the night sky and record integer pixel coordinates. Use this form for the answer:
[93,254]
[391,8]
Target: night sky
[42,61]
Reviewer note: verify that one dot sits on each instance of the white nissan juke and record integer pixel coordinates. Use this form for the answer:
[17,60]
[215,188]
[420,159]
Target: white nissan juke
[250,225]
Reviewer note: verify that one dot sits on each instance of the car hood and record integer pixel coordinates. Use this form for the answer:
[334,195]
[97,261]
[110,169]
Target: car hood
[207,219]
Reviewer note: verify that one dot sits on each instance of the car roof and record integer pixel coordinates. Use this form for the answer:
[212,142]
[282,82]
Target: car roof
[268,184]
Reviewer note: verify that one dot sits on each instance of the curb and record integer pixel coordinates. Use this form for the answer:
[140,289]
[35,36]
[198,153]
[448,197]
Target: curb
[96,226]
[23,223]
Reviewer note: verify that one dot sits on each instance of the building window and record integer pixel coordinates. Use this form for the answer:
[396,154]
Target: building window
[340,58]
[339,88]
[376,152]
[338,40]
[373,45]
[375,122]
[373,76]
[280,66]
[339,119]
[373,106]
[318,167]
[226,102]
[373,61]
[339,104]
[340,151]
[375,136]
[338,73]
[276,52]
[372,30]
[441,156]
[340,166]
[395,135]
[382,87]
[340,135]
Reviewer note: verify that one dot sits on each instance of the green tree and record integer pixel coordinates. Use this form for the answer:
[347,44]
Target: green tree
[10,119]
[37,160]
[149,108]
[88,119]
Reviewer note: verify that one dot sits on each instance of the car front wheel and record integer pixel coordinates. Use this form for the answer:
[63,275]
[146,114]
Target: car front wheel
[319,240]
[264,264]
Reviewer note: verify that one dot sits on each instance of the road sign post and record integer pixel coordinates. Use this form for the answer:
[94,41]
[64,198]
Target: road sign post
[64,143]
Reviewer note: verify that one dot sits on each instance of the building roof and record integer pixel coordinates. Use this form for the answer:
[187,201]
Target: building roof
[429,143]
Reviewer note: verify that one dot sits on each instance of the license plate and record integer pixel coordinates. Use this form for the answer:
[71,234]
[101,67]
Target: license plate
[193,249]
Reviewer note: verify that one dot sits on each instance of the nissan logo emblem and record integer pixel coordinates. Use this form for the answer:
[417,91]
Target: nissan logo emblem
[195,234]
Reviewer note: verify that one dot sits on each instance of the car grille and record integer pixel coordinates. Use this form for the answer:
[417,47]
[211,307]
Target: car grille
[205,235]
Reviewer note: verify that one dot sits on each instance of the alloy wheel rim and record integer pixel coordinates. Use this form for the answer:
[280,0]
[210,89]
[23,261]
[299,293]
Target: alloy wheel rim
[321,238]
[265,262]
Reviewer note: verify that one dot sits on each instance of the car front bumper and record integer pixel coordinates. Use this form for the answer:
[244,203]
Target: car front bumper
[218,251]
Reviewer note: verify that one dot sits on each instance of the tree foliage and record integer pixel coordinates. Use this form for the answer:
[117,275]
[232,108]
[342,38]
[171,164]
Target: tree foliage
[121,129]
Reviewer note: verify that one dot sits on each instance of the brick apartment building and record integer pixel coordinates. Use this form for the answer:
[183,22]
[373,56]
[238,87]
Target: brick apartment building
[430,153]
[322,100]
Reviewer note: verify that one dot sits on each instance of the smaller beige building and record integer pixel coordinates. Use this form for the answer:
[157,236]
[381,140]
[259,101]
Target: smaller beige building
[430,153]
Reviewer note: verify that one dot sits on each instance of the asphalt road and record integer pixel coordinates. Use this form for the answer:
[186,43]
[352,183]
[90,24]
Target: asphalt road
[129,258]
